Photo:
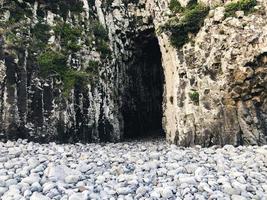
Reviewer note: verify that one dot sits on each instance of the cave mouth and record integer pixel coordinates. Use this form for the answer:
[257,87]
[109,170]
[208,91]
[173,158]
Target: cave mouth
[142,110]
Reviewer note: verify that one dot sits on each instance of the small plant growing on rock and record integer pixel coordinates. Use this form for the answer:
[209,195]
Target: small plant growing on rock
[104,49]
[175,6]
[245,5]
[194,96]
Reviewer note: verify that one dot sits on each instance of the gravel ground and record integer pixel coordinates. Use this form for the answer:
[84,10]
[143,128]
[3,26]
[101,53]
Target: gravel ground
[131,170]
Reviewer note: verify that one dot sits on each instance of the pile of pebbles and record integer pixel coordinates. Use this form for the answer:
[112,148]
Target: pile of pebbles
[131,170]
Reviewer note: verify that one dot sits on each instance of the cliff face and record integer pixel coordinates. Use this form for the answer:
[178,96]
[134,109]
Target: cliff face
[216,84]
[56,67]
[102,71]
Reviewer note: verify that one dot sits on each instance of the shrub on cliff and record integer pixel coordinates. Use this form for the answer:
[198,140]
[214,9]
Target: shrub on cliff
[51,62]
[55,63]
[69,36]
[99,31]
[175,6]
[101,38]
[190,22]
[41,32]
[245,5]
[19,10]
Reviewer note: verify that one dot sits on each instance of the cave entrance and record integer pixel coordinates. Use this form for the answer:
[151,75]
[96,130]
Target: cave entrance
[142,109]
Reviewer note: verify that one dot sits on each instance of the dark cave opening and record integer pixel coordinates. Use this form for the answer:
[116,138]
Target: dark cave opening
[142,109]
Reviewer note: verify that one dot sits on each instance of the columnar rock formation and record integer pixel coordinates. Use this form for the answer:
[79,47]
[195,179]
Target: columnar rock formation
[121,77]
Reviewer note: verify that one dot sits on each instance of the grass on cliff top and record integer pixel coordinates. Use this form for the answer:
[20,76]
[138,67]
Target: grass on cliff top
[191,21]
[245,5]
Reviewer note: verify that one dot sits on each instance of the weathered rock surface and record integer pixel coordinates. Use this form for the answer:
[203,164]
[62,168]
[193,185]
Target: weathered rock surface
[225,67]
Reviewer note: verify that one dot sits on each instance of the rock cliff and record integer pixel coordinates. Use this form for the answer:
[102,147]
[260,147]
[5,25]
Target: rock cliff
[96,70]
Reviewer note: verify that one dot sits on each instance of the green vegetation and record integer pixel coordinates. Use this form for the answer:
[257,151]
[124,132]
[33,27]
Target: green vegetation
[245,5]
[63,7]
[191,4]
[191,21]
[101,38]
[73,77]
[77,7]
[41,32]
[52,62]
[55,63]
[175,6]
[103,48]
[18,10]
[93,67]
[194,96]
[69,36]
[99,31]
[12,39]
[193,17]
[55,60]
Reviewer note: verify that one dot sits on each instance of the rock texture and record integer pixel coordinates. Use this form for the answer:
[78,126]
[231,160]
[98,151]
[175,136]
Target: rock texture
[225,67]
[131,170]
[142,84]
[35,107]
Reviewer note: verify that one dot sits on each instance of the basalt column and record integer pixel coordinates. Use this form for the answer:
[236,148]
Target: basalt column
[142,101]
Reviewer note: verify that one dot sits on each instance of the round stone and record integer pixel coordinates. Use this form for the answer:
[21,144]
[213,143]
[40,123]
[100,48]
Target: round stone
[39,196]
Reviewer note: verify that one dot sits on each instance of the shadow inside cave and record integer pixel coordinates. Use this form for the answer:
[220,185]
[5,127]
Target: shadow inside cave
[143,97]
